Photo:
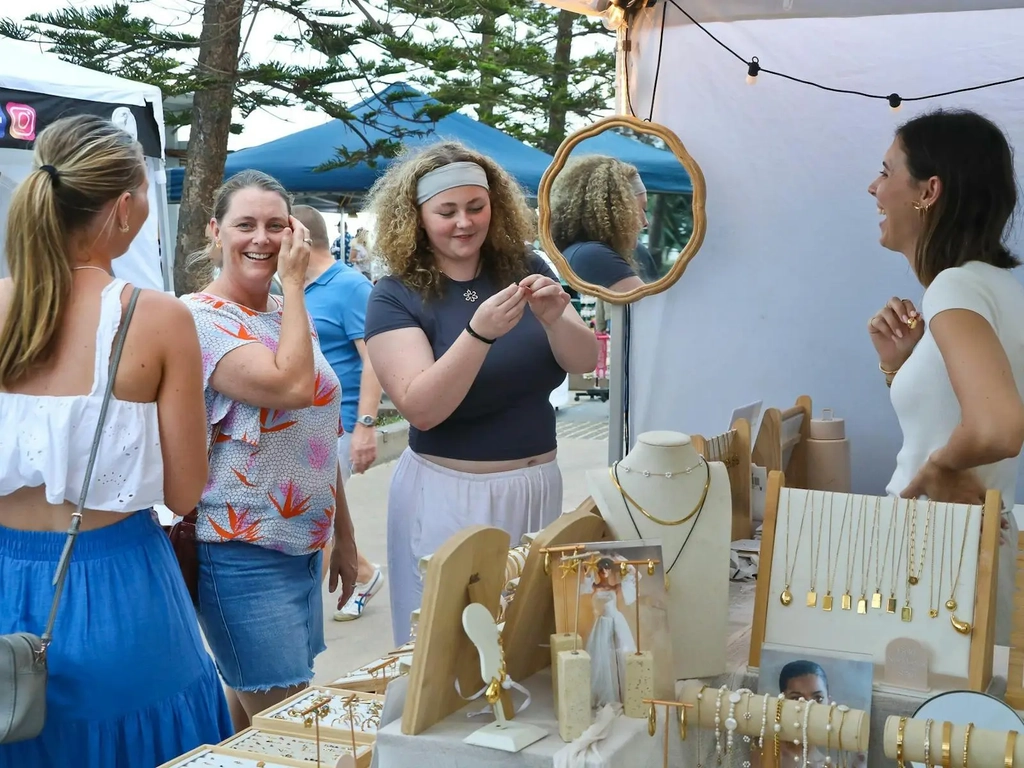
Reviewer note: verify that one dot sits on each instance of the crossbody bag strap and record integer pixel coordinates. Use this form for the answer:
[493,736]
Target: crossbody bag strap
[76,519]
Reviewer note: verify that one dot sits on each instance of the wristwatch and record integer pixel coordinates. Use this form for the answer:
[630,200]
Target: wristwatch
[367,421]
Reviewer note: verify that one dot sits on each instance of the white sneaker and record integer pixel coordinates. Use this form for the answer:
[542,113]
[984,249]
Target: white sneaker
[353,609]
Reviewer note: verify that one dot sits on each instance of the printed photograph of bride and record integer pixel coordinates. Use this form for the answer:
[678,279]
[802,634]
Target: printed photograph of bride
[613,595]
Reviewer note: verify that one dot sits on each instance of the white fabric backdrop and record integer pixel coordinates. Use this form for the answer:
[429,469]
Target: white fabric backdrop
[776,303]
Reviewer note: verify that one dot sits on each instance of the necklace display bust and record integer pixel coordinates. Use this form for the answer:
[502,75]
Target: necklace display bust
[664,490]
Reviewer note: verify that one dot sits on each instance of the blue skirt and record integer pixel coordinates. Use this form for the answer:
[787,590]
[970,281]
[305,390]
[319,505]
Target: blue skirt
[130,683]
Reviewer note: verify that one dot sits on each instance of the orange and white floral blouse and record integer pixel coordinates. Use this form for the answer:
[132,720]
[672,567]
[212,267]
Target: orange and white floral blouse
[272,473]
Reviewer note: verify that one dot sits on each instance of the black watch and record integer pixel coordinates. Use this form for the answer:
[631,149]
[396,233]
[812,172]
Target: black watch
[367,421]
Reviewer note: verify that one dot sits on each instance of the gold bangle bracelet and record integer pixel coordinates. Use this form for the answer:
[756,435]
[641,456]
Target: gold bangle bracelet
[967,742]
[947,737]
[888,373]
[900,732]
[1011,746]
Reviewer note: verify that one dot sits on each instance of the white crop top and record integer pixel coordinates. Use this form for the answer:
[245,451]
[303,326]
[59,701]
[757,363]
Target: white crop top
[922,394]
[46,440]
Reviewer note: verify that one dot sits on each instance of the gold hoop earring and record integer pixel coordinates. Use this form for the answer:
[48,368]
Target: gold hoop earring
[123,226]
[652,720]
[682,723]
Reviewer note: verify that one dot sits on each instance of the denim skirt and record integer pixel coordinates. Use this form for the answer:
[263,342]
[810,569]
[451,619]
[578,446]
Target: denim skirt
[130,683]
[262,613]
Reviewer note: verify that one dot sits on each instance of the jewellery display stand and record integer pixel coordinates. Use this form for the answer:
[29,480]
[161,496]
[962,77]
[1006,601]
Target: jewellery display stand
[733,449]
[846,607]
[1015,669]
[666,477]
[530,619]
[468,568]
[220,757]
[277,745]
[985,748]
[506,735]
[371,678]
[781,443]
[335,723]
[823,726]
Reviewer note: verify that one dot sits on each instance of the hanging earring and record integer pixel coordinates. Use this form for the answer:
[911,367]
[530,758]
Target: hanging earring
[217,245]
[652,720]
[650,567]
[682,723]
[921,208]
[123,226]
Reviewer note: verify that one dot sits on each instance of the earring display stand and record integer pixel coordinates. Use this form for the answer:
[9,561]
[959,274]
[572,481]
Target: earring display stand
[681,718]
[733,449]
[336,715]
[781,443]
[221,757]
[468,568]
[849,727]
[985,749]
[530,620]
[889,578]
[277,745]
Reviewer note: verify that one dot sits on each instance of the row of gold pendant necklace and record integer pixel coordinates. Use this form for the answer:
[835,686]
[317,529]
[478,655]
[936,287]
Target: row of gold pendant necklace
[876,557]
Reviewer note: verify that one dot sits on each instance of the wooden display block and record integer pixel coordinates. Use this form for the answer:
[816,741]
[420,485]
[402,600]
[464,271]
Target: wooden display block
[256,741]
[286,717]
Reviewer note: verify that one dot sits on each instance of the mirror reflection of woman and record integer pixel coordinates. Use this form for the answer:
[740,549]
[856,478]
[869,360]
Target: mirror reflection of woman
[610,637]
[596,218]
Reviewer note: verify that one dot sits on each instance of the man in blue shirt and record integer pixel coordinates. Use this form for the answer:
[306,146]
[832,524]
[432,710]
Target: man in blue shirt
[336,298]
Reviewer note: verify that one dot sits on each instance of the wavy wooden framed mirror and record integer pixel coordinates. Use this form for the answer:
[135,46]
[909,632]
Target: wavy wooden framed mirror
[622,209]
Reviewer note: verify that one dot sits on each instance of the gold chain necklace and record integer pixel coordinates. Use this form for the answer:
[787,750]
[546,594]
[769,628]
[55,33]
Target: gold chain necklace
[826,602]
[962,627]
[935,588]
[913,577]
[876,598]
[812,595]
[890,605]
[786,598]
[700,504]
[851,555]
[862,602]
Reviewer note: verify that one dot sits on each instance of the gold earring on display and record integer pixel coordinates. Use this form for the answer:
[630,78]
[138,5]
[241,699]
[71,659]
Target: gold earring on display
[682,723]
[650,567]
[652,720]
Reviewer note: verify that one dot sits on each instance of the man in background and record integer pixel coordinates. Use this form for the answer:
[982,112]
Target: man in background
[336,298]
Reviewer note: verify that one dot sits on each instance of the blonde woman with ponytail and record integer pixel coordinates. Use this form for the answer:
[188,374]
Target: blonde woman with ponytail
[129,680]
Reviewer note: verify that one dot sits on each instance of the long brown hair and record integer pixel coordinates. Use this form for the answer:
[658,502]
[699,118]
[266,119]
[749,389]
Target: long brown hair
[80,165]
[401,243]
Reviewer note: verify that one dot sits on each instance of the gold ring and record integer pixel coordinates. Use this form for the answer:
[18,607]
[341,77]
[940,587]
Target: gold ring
[1011,744]
[307,240]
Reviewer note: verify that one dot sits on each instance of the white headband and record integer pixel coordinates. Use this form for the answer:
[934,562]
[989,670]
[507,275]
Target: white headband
[637,184]
[461,174]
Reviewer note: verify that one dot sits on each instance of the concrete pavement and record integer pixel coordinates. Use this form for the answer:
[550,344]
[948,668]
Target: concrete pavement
[582,446]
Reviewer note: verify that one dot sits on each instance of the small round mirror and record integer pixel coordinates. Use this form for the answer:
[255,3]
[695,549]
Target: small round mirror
[962,707]
[622,209]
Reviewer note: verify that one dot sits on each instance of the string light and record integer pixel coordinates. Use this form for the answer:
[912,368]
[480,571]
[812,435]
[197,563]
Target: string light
[894,100]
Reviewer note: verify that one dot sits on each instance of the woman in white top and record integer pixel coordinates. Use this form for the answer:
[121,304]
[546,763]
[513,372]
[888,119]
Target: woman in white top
[129,681]
[956,368]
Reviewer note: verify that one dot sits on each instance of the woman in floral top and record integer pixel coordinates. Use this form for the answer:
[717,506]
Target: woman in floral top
[273,500]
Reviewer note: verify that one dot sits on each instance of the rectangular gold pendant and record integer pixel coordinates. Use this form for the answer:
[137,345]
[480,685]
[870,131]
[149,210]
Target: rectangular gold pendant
[862,605]
[876,600]
[906,614]
[847,602]
[826,603]
[933,614]
[890,605]
[812,599]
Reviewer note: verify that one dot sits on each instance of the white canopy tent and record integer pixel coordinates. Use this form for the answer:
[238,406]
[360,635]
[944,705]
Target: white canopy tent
[37,88]
[776,302]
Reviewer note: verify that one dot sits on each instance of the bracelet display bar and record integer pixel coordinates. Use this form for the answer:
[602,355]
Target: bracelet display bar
[951,745]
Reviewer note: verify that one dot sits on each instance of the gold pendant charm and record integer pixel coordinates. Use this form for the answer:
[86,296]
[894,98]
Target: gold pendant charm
[682,723]
[862,605]
[876,600]
[847,601]
[933,614]
[962,627]
[912,580]
[652,720]
[812,599]
[907,614]
[786,597]
[826,603]
[951,605]
[890,605]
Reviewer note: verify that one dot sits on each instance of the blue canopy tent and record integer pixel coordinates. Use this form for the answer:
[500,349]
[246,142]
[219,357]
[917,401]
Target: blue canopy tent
[291,159]
[659,168]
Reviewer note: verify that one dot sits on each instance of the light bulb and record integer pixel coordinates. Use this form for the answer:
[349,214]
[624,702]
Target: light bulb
[895,102]
[752,69]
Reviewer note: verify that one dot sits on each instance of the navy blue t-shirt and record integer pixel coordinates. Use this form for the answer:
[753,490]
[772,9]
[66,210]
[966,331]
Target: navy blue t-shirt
[506,414]
[597,263]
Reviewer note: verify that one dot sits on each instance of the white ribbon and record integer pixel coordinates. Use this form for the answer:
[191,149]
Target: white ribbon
[508,684]
[575,753]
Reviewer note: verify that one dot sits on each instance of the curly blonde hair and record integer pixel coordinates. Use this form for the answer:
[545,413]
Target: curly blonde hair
[592,199]
[401,242]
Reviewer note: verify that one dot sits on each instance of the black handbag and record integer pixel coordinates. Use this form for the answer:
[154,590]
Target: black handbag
[23,655]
